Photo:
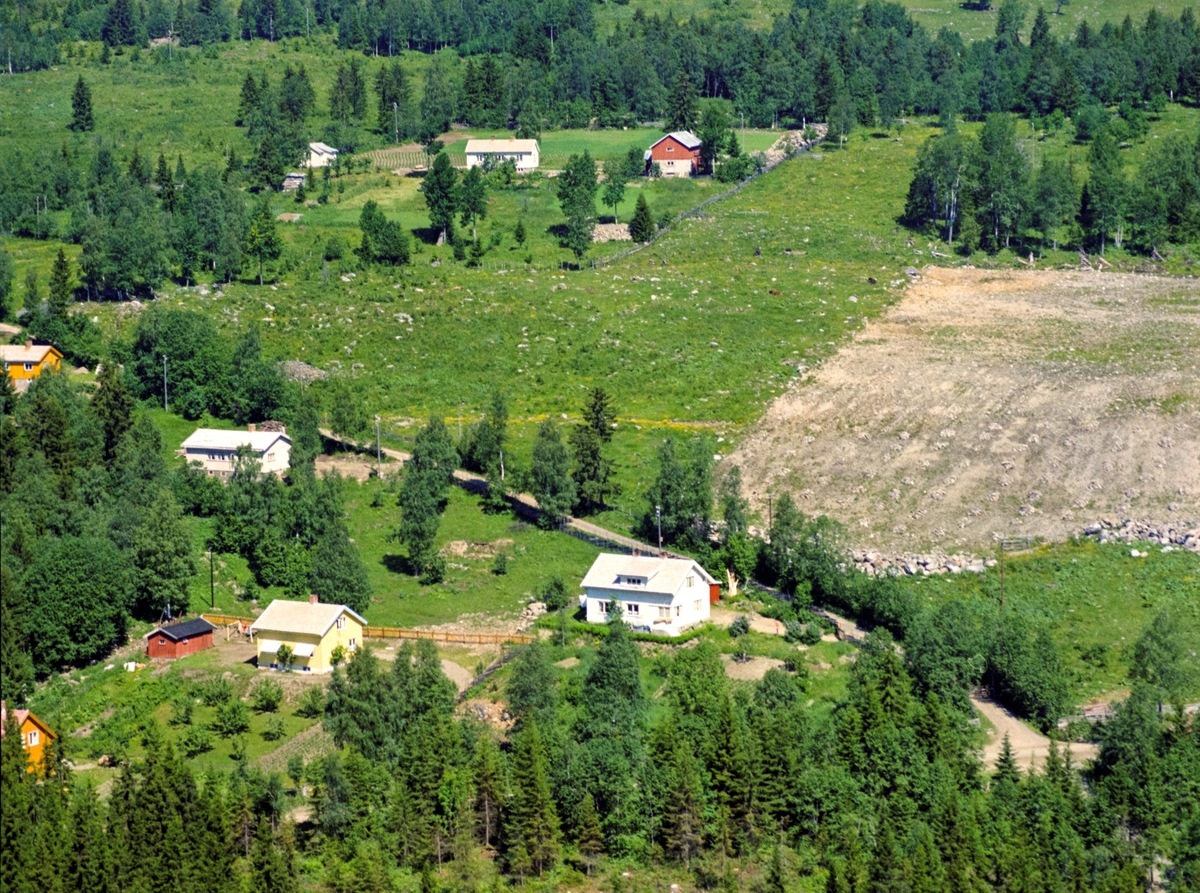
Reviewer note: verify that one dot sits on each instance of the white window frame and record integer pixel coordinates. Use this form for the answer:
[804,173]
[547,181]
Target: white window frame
[691,581]
[29,367]
[33,737]
[696,606]
[341,622]
[353,644]
[633,608]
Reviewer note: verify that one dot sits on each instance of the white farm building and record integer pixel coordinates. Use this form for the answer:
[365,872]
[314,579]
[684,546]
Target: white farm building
[321,155]
[658,595]
[524,153]
[215,450]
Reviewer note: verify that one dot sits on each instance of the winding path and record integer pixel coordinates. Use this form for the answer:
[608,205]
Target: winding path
[1029,747]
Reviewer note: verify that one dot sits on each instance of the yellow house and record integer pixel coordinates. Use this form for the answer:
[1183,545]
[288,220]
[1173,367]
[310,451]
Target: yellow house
[34,734]
[311,630]
[28,360]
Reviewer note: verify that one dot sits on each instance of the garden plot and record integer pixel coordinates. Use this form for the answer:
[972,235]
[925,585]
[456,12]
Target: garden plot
[996,403]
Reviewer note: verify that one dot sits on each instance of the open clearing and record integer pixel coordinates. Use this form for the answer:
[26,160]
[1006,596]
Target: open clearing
[1029,748]
[996,403]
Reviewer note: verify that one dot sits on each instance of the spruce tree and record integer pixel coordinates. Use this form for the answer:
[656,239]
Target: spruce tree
[338,572]
[81,108]
[531,823]
[472,198]
[589,839]
[641,228]
[262,239]
[163,563]
[61,293]
[488,787]
[681,105]
[550,476]
[7,301]
[684,822]
[440,188]
[519,234]
[90,859]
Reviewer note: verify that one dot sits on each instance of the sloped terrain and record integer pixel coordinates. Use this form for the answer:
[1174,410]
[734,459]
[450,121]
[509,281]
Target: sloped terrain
[996,403]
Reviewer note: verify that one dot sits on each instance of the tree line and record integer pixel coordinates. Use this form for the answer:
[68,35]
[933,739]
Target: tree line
[878,790]
[984,192]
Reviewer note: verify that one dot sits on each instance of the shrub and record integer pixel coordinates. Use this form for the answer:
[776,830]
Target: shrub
[268,696]
[554,594]
[312,702]
[500,565]
[794,631]
[811,634]
[237,750]
[274,729]
[215,692]
[181,710]
[195,741]
[435,571]
[739,627]
[233,718]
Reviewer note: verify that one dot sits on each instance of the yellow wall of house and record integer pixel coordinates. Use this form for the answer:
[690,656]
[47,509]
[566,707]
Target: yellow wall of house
[18,370]
[350,637]
[37,751]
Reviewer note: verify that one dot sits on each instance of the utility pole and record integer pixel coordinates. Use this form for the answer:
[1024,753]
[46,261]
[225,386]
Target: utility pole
[166,405]
[658,517]
[395,122]
[378,452]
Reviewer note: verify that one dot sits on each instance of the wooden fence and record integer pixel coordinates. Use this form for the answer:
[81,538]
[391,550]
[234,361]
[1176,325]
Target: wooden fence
[395,632]
[226,619]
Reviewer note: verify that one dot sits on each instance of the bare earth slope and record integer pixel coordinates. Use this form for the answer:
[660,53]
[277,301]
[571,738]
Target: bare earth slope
[991,404]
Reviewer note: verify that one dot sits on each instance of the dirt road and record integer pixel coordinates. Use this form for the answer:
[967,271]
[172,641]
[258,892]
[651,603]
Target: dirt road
[1029,748]
[992,403]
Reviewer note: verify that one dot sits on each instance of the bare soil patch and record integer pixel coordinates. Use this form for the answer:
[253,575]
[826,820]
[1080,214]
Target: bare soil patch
[350,465]
[1029,748]
[751,669]
[996,403]
[458,674]
[758,623]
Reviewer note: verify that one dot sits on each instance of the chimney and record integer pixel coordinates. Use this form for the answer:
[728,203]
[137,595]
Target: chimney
[313,598]
[252,427]
[29,342]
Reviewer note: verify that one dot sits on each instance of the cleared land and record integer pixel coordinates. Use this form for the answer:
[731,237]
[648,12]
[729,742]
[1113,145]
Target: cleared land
[1028,747]
[991,403]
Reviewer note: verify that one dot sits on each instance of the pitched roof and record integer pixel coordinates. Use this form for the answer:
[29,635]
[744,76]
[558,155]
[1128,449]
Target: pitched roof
[485,147]
[20,716]
[323,148]
[26,353]
[301,618]
[213,438]
[685,138]
[186,630]
[663,576]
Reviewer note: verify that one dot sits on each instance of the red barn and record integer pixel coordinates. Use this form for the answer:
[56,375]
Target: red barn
[676,154]
[179,639]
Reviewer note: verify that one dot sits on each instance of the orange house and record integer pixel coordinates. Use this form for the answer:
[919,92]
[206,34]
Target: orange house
[29,360]
[34,734]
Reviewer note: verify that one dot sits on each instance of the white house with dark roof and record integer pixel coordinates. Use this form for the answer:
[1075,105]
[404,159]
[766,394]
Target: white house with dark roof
[321,155]
[215,449]
[658,595]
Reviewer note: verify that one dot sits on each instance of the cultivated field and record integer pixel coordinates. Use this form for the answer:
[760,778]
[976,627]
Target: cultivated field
[996,403]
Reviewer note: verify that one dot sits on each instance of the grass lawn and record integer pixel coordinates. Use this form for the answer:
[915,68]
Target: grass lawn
[1094,600]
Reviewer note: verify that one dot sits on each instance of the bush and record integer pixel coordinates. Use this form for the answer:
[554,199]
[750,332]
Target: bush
[500,565]
[739,627]
[181,710]
[268,696]
[435,571]
[215,692]
[195,741]
[233,718]
[274,729]
[793,631]
[554,594]
[811,634]
[312,703]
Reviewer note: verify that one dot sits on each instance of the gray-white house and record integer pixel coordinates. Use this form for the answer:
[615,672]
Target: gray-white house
[658,595]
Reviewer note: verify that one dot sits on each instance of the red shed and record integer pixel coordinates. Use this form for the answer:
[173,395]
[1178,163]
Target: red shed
[179,639]
[676,154]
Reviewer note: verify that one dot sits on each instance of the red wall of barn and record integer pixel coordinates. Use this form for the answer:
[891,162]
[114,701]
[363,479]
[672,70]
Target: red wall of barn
[660,153]
[177,649]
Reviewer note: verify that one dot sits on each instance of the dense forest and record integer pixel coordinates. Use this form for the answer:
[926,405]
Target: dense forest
[743,788]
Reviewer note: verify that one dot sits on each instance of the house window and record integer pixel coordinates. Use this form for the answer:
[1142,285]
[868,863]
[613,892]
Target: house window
[353,645]
[633,608]
[604,607]
[664,612]
[33,738]
[696,605]
[691,581]
[29,367]
[670,148]
[678,610]
[341,622]
[162,641]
